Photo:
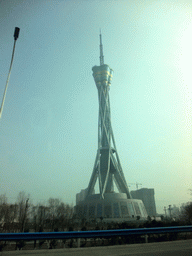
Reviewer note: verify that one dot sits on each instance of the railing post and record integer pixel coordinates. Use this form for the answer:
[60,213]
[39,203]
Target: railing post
[78,242]
[146,238]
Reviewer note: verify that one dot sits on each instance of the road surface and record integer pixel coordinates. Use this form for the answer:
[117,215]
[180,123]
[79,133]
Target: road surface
[175,248]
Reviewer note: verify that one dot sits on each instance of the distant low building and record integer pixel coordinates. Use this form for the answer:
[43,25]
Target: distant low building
[81,196]
[147,195]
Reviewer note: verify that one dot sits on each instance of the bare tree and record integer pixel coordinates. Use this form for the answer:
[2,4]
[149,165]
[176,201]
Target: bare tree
[186,213]
[3,209]
[8,214]
[64,213]
[59,214]
[11,217]
[53,205]
[40,217]
[23,207]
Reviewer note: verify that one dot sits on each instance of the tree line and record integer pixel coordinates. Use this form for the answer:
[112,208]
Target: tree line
[55,215]
[23,216]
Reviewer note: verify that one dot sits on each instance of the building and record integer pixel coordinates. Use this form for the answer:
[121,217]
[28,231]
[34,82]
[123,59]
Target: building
[147,195]
[107,170]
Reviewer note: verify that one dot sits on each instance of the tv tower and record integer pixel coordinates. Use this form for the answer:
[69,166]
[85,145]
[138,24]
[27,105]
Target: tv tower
[107,170]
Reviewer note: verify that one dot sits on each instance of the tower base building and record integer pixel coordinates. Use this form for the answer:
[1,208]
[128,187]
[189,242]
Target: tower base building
[114,207]
[107,170]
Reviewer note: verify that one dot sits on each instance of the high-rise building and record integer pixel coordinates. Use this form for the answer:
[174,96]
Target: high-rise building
[147,195]
[107,168]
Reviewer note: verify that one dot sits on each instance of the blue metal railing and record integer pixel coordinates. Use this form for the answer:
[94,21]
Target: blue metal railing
[92,234]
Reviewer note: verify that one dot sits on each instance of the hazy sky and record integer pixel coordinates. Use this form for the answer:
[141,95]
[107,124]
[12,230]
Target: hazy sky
[48,130]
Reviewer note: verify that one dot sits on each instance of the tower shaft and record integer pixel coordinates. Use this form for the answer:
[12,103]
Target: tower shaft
[107,168]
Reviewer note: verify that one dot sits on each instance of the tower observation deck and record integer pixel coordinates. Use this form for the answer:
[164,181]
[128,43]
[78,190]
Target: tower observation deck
[107,168]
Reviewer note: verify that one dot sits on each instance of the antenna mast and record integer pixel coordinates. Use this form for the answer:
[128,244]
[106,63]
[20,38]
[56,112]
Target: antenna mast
[101,50]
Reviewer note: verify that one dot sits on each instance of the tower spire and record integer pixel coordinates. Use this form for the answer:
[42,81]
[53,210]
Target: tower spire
[101,50]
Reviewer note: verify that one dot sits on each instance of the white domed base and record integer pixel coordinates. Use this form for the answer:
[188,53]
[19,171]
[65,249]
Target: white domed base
[114,207]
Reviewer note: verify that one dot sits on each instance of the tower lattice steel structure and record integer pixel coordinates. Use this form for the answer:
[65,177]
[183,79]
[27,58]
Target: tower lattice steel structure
[107,168]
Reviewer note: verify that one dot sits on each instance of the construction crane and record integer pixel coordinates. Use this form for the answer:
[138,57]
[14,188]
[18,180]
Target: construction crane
[137,184]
